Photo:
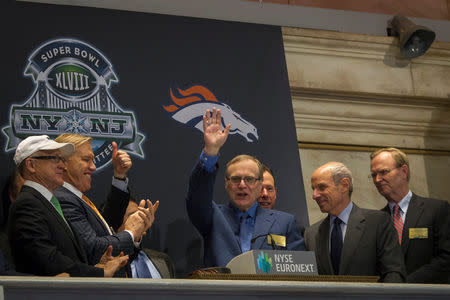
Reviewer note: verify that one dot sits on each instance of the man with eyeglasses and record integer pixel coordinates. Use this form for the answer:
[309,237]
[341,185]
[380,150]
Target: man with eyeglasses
[422,224]
[268,195]
[42,242]
[241,225]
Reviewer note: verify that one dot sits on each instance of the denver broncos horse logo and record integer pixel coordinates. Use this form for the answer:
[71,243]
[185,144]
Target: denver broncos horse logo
[192,104]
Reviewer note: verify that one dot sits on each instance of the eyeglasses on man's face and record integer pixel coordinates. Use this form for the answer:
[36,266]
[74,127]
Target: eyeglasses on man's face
[249,180]
[382,172]
[54,158]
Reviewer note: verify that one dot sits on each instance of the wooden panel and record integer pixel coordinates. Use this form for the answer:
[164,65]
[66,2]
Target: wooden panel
[429,9]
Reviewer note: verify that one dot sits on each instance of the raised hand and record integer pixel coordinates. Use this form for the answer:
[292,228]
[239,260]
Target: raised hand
[121,162]
[213,134]
[149,212]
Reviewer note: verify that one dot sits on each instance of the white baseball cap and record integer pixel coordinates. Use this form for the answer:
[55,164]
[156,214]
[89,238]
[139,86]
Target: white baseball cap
[35,143]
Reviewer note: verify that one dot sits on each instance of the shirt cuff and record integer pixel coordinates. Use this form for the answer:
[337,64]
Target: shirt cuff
[120,184]
[136,244]
[208,162]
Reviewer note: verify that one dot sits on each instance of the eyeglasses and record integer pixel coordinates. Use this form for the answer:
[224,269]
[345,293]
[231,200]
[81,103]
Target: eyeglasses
[382,173]
[54,158]
[249,180]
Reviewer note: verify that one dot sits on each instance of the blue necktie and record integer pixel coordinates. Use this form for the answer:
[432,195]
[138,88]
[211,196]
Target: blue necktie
[336,245]
[245,234]
[142,270]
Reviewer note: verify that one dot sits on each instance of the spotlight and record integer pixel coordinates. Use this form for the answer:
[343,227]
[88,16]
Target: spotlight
[414,40]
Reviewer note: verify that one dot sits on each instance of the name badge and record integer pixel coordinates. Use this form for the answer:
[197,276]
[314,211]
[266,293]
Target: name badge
[279,240]
[418,233]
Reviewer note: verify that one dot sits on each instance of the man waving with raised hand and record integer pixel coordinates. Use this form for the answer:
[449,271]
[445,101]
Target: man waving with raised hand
[241,225]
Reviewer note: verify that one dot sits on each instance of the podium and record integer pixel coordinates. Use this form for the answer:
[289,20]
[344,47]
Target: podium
[274,265]
[274,262]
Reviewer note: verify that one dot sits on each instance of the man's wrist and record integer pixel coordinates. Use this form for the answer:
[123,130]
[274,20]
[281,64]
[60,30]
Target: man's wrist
[136,243]
[123,178]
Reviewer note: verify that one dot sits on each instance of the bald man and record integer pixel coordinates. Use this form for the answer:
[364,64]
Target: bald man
[351,240]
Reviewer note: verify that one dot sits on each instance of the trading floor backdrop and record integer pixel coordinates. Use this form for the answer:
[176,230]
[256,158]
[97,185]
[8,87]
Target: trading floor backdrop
[144,80]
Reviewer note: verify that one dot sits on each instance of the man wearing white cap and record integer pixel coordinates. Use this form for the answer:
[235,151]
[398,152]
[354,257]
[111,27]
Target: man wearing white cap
[42,241]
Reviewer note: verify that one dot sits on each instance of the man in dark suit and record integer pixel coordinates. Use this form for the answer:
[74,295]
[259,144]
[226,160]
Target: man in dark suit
[42,241]
[231,229]
[92,226]
[351,240]
[422,224]
[147,263]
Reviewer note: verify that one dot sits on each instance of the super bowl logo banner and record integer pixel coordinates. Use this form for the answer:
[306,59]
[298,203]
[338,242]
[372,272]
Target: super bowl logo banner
[72,81]
[189,105]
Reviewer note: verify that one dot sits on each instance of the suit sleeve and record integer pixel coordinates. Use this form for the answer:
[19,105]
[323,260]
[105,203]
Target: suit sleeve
[93,243]
[389,255]
[294,239]
[308,239]
[115,207]
[439,266]
[199,199]
[33,245]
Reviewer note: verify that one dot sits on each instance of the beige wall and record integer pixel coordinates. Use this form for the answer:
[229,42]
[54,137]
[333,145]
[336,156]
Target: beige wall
[353,93]
[429,176]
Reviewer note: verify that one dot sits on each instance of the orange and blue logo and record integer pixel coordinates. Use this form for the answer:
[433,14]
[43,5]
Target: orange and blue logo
[189,105]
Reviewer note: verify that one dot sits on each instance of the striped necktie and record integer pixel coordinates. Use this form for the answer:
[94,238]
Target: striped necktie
[89,202]
[398,222]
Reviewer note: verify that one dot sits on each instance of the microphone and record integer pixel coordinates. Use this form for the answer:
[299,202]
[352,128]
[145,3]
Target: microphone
[273,244]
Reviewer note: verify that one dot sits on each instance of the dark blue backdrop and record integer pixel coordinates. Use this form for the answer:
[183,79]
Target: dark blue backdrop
[243,65]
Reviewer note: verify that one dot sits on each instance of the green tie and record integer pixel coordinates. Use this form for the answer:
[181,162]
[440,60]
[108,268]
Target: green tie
[56,204]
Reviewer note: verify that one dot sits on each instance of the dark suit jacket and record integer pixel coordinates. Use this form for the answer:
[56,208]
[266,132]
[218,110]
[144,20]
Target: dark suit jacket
[94,237]
[370,246]
[427,260]
[219,226]
[160,260]
[41,242]
[5,268]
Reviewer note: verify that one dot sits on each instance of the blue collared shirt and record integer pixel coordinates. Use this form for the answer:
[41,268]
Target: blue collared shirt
[344,216]
[251,212]
[153,271]
[208,162]
[403,204]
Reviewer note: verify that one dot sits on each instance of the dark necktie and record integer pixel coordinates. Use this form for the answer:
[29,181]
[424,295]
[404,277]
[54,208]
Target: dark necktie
[244,232]
[336,245]
[398,222]
[142,270]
